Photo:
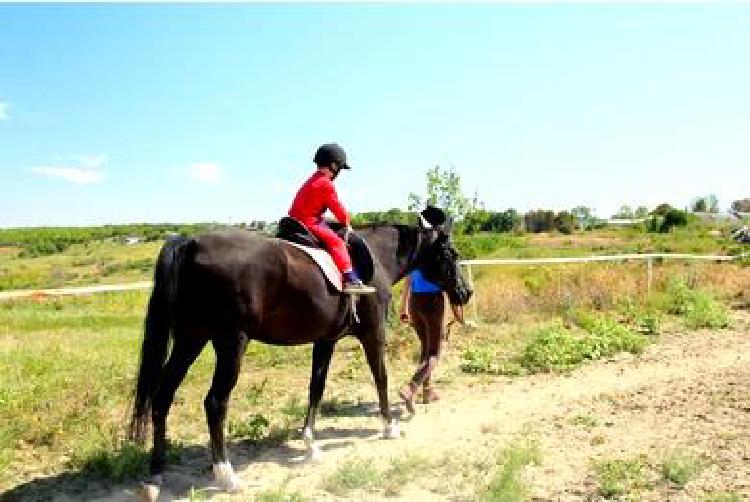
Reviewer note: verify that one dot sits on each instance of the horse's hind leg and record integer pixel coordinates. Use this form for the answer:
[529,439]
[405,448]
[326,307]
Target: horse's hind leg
[186,348]
[229,353]
[322,352]
[374,347]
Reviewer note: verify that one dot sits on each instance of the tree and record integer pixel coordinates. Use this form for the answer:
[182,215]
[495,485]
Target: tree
[565,222]
[540,221]
[391,216]
[673,218]
[584,216]
[625,212]
[443,191]
[662,209]
[707,204]
[506,221]
[482,220]
[741,205]
[641,212]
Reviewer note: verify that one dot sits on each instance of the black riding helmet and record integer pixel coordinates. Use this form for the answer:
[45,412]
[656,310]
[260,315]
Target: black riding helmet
[434,216]
[329,154]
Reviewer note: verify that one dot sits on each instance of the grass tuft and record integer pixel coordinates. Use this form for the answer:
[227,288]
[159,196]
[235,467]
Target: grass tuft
[353,475]
[506,484]
[620,477]
[279,495]
[680,467]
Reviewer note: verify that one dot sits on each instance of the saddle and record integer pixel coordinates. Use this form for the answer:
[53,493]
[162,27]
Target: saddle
[293,231]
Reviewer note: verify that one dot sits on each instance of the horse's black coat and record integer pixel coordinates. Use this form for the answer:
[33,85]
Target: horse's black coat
[230,287]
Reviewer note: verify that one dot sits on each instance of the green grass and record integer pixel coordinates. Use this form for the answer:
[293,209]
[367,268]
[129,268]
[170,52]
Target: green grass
[103,262]
[505,484]
[620,477]
[403,470]
[721,496]
[357,474]
[67,365]
[279,495]
[67,371]
[556,348]
[587,421]
[361,474]
[699,308]
[680,467]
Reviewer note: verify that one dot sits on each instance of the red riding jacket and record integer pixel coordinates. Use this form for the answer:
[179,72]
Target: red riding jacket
[312,200]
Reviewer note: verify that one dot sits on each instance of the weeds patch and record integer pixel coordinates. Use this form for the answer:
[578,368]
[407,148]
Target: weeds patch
[699,308]
[680,467]
[279,495]
[506,484]
[353,475]
[620,477]
[722,496]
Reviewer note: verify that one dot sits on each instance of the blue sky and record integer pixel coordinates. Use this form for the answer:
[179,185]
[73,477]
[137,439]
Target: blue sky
[129,113]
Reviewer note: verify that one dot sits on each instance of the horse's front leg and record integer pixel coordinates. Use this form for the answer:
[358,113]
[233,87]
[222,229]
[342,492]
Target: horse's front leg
[322,352]
[373,343]
[228,363]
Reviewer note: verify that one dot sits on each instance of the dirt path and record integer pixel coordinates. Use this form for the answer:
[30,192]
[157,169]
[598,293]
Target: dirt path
[688,391]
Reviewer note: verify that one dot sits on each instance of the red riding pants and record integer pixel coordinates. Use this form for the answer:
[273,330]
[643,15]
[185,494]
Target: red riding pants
[334,243]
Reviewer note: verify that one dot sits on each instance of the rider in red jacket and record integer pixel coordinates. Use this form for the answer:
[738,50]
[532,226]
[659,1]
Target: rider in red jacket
[318,194]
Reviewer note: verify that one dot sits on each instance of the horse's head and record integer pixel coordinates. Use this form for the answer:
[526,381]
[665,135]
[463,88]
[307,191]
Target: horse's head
[440,265]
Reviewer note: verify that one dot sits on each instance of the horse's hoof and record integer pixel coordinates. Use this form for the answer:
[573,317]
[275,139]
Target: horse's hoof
[149,490]
[392,431]
[226,479]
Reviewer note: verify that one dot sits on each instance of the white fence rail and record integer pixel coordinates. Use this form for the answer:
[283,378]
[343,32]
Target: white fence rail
[649,258]
[84,290]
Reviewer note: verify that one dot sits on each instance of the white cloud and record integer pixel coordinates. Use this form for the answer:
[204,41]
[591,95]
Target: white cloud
[78,169]
[4,107]
[77,175]
[92,161]
[205,172]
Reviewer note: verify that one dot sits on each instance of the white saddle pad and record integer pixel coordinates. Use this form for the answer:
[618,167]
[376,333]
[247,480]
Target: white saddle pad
[325,263]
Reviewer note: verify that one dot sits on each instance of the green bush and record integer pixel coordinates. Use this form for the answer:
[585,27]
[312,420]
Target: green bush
[558,348]
[552,348]
[699,308]
[608,337]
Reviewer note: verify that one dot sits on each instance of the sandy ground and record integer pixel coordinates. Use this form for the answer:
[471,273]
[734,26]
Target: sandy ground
[689,391]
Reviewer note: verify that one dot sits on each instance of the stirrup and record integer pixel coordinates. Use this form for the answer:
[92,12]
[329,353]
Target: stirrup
[358,288]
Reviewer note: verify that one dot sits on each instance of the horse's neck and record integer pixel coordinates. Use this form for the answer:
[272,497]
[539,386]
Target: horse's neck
[396,247]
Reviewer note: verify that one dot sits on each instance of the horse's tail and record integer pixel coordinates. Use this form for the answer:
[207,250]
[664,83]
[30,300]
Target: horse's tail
[157,331]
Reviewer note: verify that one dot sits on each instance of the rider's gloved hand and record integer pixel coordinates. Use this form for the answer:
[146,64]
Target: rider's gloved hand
[347,230]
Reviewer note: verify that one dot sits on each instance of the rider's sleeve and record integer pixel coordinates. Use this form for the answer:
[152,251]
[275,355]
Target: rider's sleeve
[336,207]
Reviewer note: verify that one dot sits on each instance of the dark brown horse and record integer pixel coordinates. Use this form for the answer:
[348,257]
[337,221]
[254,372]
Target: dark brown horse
[230,287]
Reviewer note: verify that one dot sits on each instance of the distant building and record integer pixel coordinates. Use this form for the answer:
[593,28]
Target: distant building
[625,221]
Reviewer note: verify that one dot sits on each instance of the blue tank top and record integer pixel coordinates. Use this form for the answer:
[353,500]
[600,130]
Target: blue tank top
[420,285]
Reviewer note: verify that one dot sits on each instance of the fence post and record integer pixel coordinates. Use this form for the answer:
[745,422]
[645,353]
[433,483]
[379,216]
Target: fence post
[649,273]
[470,278]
